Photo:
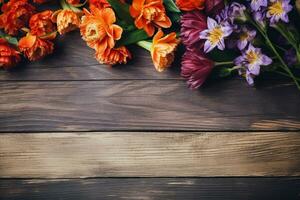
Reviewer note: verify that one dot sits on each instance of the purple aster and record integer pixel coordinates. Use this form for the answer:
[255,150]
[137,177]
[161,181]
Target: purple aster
[278,10]
[252,59]
[257,4]
[245,37]
[215,35]
[232,12]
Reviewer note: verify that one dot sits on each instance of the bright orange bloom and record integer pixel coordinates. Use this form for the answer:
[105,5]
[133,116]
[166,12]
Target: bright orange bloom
[34,47]
[100,4]
[114,56]
[163,50]
[9,57]
[189,5]
[66,20]
[40,24]
[149,14]
[98,29]
[15,15]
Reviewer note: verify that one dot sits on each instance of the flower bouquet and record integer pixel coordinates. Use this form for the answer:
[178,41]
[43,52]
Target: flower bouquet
[220,38]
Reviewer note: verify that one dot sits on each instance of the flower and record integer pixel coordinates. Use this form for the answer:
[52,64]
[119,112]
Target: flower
[195,67]
[40,24]
[66,20]
[215,35]
[73,2]
[148,14]
[245,37]
[291,57]
[257,4]
[98,29]
[213,7]
[9,57]
[252,59]
[278,10]
[189,5]
[113,56]
[232,12]
[34,47]
[192,24]
[100,4]
[15,15]
[163,50]
[40,1]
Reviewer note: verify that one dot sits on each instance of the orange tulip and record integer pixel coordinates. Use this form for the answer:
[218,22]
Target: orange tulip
[15,15]
[9,57]
[40,1]
[40,24]
[66,20]
[114,56]
[34,47]
[98,29]
[149,14]
[163,50]
[73,2]
[189,5]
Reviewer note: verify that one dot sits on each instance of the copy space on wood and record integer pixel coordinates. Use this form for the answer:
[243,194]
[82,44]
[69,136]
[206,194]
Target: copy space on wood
[149,154]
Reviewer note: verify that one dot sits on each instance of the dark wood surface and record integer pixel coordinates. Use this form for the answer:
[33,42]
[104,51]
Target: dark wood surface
[153,188]
[68,116]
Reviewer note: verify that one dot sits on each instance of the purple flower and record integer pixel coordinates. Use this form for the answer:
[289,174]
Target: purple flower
[245,37]
[215,35]
[291,57]
[251,60]
[257,4]
[192,24]
[260,16]
[195,67]
[278,10]
[232,12]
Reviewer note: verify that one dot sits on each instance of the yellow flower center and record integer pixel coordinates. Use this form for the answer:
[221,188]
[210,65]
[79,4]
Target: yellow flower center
[276,8]
[215,35]
[252,57]
[244,36]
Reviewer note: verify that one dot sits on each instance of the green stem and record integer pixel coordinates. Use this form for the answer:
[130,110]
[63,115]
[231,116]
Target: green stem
[145,44]
[271,46]
[67,6]
[284,74]
[224,63]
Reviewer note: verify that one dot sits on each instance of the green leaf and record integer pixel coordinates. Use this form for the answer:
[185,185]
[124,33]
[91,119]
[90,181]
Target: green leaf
[171,6]
[224,72]
[132,37]
[122,10]
[9,39]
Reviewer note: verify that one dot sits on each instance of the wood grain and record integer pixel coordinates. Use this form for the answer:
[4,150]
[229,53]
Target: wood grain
[151,154]
[76,62]
[158,189]
[145,105]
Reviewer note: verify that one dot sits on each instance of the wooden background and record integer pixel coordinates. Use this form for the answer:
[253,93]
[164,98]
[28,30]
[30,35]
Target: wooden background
[71,128]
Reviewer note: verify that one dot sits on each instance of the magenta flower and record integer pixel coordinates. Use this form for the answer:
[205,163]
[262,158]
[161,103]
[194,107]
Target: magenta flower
[213,7]
[195,67]
[192,24]
[215,35]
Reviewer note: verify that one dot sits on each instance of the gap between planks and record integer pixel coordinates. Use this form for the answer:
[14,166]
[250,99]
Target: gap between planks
[149,154]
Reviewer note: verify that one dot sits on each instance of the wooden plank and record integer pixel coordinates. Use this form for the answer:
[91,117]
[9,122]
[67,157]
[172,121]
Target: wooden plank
[145,105]
[149,154]
[76,62]
[144,189]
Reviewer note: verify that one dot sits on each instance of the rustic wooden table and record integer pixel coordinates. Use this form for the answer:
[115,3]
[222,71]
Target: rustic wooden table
[73,129]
